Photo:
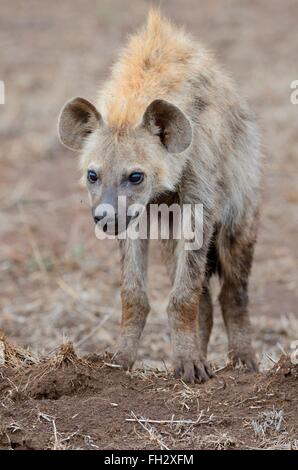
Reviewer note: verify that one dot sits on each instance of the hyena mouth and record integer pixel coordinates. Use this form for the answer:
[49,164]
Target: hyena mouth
[117,226]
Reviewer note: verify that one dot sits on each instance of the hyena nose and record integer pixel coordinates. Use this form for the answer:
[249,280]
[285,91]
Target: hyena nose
[98,218]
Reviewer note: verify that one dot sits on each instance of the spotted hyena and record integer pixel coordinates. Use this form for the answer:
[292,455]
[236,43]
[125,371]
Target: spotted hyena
[169,126]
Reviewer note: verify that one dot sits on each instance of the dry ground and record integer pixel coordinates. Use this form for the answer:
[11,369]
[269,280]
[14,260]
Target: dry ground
[57,280]
[67,402]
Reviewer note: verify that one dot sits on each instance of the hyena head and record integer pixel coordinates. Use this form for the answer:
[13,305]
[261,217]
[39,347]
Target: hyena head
[126,166]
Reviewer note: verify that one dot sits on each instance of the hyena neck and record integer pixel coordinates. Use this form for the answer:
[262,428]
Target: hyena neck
[168,198]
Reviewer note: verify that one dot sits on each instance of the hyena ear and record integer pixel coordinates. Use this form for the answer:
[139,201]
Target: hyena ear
[78,118]
[170,123]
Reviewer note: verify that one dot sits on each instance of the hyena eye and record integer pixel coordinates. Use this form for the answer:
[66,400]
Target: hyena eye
[92,176]
[136,177]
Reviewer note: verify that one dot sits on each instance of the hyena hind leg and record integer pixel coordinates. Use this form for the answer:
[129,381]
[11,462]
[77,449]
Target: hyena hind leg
[206,305]
[236,257]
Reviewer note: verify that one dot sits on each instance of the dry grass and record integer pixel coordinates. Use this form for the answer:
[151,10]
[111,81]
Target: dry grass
[173,430]
[151,432]
[217,441]
[281,443]
[267,422]
[14,356]
[186,396]
[65,355]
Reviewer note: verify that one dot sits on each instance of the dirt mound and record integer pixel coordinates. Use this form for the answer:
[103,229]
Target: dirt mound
[283,378]
[88,403]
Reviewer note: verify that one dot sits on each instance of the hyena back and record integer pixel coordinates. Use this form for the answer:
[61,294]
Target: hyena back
[170,126]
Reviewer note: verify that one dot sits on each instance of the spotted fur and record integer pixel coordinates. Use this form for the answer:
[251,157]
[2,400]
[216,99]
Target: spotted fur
[170,111]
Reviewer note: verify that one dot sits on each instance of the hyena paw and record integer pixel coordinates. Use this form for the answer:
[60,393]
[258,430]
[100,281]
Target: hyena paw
[125,357]
[192,369]
[245,358]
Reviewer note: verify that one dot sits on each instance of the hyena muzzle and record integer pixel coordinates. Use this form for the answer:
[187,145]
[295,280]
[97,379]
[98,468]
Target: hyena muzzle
[169,127]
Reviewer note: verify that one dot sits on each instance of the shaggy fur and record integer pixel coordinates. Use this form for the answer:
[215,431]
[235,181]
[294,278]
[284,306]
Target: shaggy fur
[154,65]
[171,112]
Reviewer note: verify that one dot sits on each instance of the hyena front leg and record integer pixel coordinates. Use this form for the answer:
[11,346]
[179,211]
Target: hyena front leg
[205,307]
[236,254]
[135,305]
[205,319]
[168,249]
[183,309]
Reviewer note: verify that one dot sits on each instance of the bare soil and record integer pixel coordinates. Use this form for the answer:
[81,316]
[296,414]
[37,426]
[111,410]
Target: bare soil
[58,281]
[66,402]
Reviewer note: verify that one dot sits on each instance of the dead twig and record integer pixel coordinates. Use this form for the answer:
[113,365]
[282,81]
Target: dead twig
[199,420]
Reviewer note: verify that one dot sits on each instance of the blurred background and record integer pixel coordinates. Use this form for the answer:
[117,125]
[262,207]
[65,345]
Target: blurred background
[57,279]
